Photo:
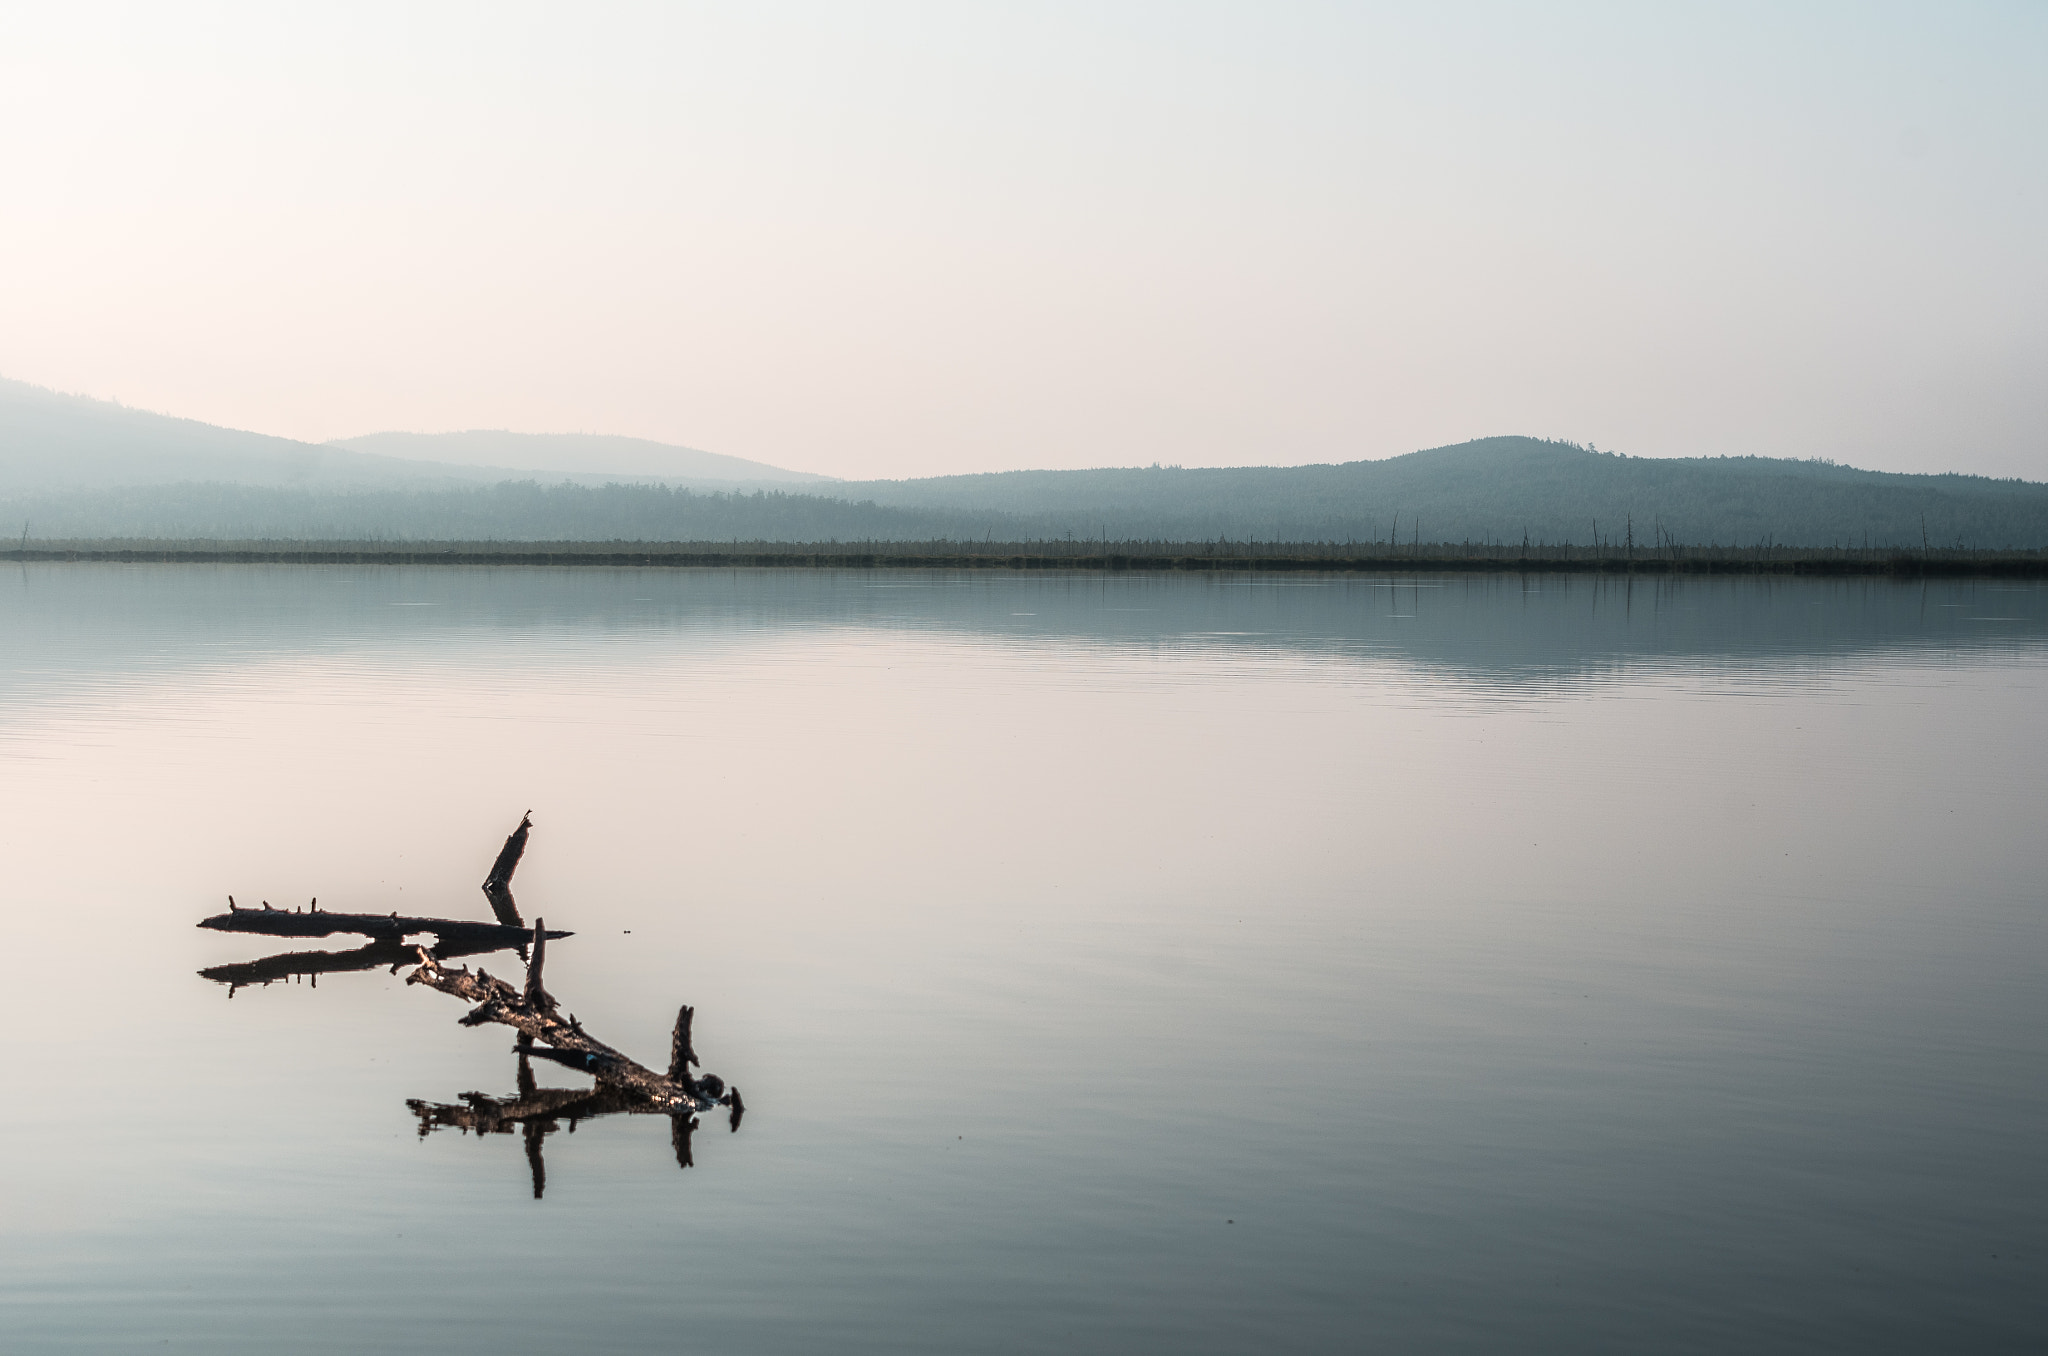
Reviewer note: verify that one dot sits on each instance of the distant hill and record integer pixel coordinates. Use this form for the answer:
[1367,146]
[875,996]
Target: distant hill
[73,467]
[53,443]
[1475,492]
[1496,489]
[581,454]
[50,441]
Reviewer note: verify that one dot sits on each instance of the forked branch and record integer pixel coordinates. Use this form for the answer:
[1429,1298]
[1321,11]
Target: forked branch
[564,1039]
[546,1034]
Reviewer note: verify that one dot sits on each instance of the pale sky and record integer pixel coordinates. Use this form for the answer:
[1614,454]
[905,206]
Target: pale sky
[888,240]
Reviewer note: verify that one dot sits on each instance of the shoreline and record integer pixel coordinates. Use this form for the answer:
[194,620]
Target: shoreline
[1233,557]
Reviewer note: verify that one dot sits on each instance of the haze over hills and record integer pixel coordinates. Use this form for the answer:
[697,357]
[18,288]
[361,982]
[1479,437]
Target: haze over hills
[1493,491]
[51,442]
[71,467]
[576,454]
[1500,489]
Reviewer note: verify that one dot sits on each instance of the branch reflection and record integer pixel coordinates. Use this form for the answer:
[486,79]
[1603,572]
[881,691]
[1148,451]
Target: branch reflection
[537,1112]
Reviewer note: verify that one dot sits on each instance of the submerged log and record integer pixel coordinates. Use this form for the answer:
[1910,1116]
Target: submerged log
[530,1011]
[319,922]
[544,1033]
[623,1084]
[509,931]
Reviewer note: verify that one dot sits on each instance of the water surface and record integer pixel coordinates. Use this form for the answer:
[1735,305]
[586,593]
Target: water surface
[1113,964]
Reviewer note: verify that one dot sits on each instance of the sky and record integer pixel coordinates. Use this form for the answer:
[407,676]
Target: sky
[914,239]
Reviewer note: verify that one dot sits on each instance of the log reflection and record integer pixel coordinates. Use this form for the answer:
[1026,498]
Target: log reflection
[289,965]
[622,1085]
[537,1112]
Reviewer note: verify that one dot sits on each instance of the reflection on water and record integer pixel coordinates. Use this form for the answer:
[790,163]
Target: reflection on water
[1165,965]
[313,964]
[621,1084]
[453,937]
[537,1112]
[1489,632]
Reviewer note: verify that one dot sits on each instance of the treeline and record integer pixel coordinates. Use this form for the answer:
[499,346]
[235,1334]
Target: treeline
[509,511]
[1501,490]
[1493,495]
[1112,557]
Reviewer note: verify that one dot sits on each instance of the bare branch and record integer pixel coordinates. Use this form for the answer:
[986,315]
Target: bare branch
[565,1041]
[498,885]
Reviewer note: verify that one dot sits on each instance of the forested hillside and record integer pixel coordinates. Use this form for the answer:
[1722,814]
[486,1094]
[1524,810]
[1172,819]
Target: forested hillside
[1498,489]
[1495,490]
[510,511]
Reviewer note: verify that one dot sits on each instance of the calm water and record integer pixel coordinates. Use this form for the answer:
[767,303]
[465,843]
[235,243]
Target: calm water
[1199,965]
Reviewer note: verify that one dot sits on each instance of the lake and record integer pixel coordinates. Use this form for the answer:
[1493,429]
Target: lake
[1109,964]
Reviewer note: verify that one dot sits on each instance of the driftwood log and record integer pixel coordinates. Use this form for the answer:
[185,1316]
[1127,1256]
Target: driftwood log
[453,937]
[623,1085]
[533,1012]
[470,935]
[318,922]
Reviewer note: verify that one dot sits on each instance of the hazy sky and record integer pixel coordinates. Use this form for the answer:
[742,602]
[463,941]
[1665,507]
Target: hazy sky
[880,239]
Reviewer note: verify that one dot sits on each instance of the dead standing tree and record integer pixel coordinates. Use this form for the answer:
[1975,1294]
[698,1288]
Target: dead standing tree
[315,921]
